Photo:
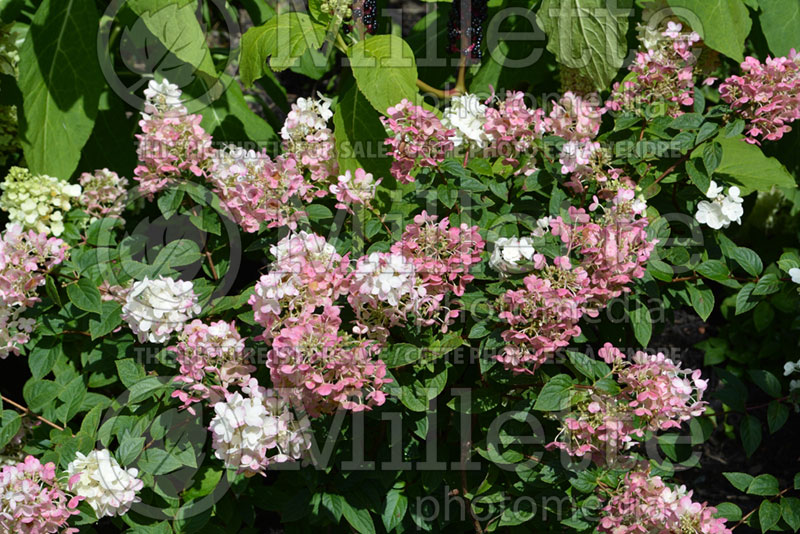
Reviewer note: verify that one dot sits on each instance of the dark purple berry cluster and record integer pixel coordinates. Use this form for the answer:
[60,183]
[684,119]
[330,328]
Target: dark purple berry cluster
[466,24]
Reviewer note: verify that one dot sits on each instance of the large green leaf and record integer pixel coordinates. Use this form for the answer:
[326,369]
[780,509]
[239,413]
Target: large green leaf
[747,165]
[588,35]
[359,135]
[385,70]
[61,81]
[175,24]
[780,22]
[283,40]
[723,24]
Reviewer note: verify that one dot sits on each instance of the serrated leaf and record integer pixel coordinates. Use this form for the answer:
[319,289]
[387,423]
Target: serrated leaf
[283,40]
[740,481]
[588,35]
[723,24]
[61,81]
[769,513]
[764,485]
[359,518]
[750,431]
[702,300]
[85,295]
[385,70]
[777,415]
[394,510]
[780,22]
[555,395]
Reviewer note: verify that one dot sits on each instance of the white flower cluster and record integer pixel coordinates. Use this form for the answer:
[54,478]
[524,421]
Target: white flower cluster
[236,164]
[108,488]
[722,210]
[509,251]
[250,432]
[156,308]
[466,115]
[794,272]
[308,116]
[791,368]
[386,276]
[37,201]
[162,97]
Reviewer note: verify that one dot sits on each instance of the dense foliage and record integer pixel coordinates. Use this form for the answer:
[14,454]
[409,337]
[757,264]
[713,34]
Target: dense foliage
[265,268]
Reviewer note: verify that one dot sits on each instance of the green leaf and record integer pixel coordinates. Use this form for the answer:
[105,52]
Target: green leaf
[764,485]
[712,156]
[43,356]
[11,424]
[85,295]
[110,318]
[169,201]
[385,70]
[283,40]
[587,35]
[175,24]
[750,430]
[740,481]
[359,135]
[555,395]
[729,511]
[744,300]
[401,354]
[769,513]
[790,511]
[175,254]
[158,462]
[767,284]
[723,24]
[780,22]
[40,393]
[746,165]
[61,81]
[642,323]
[714,269]
[359,518]
[146,388]
[702,300]
[777,415]
[766,381]
[698,177]
[395,509]
[748,260]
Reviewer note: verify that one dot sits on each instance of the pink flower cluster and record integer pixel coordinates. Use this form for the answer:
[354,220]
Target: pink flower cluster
[355,189]
[418,139]
[611,249]
[257,189]
[25,259]
[442,255]
[656,394]
[311,359]
[32,501]
[212,358]
[306,135]
[663,75]
[326,367]
[513,129]
[431,260]
[171,142]
[307,274]
[575,117]
[766,95]
[644,503]
[104,193]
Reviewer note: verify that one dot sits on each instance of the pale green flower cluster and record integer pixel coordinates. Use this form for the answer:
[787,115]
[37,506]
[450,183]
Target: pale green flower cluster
[37,202]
